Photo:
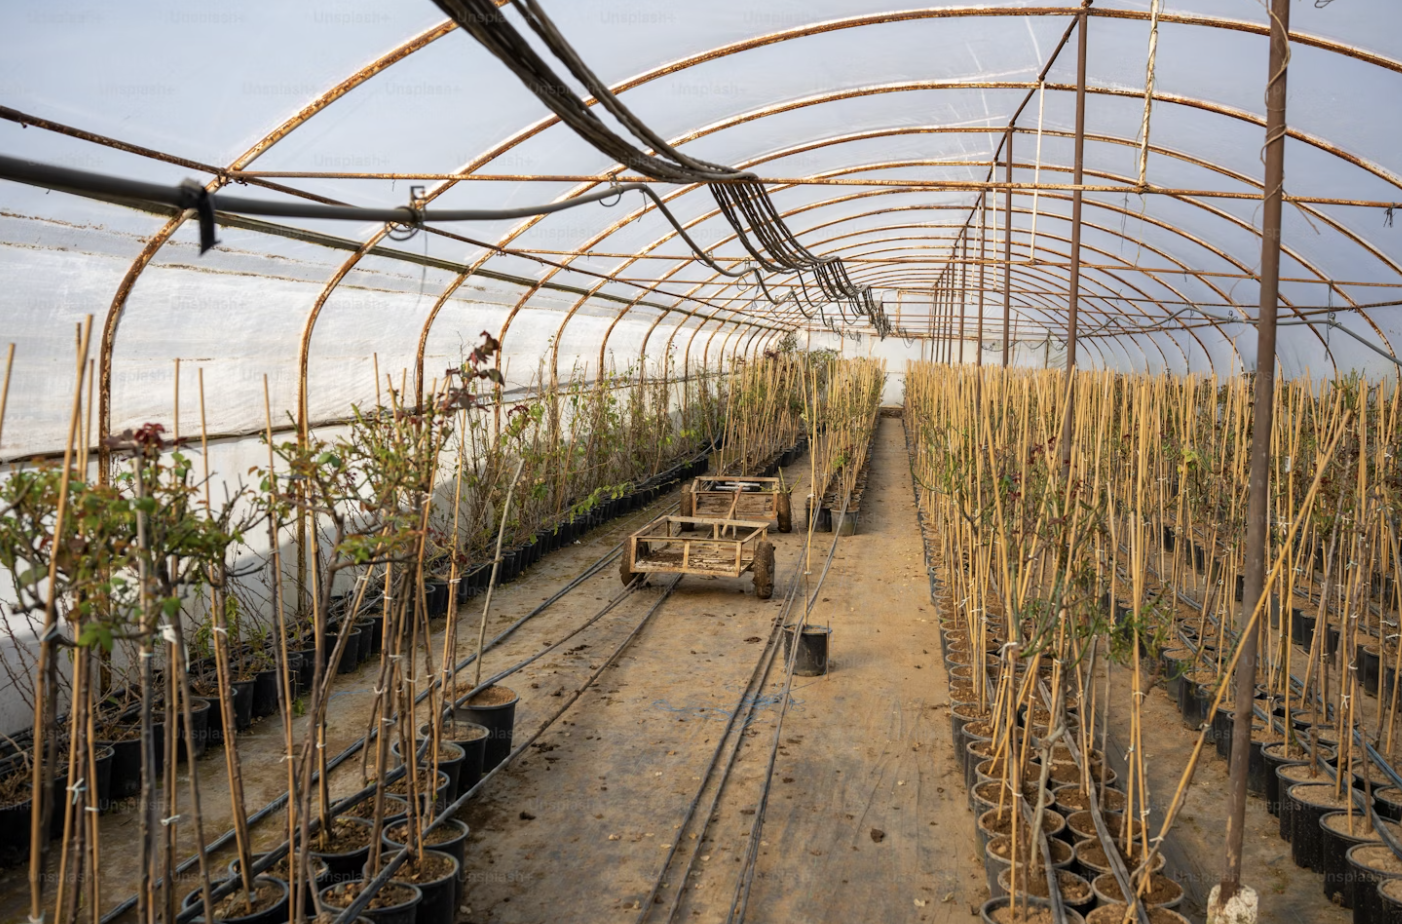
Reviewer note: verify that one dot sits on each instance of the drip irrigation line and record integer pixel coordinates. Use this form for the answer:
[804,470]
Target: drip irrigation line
[368,892]
[740,900]
[273,856]
[750,696]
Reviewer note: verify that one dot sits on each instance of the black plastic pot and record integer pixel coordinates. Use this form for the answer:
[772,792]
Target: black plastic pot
[1309,803]
[1273,756]
[452,766]
[1368,658]
[436,597]
[437,904]
[1301,628]
[823,523]
[265,693]
[1369,865]
[308,670]
[273,914]
[14,831]
[472,738]
[366,628]
[508,568]
[320,873]
[404,911]
[495,709]
[811,658]
[243,703]
[1390,900]
[350,655]
[1388,802]
[450,837]
[350,863]
[126,767]
[1333,862]
[200,711]
[1222,727]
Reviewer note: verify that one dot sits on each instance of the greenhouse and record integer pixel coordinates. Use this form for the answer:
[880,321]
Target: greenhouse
[512,461]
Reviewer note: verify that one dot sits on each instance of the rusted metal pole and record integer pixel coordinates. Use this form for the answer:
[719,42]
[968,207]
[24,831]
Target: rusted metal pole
[963,290]
[1257,504]
[1074,286]
[982,256]
[1008,248]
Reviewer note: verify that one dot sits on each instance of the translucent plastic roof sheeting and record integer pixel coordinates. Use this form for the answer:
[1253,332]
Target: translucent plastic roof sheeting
[844,91]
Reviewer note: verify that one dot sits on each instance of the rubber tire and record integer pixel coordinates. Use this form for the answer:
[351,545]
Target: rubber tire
[763,569]
[688,509]
[783,512]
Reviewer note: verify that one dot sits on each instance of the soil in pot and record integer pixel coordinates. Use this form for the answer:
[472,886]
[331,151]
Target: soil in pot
[344,847]
[450,837]
[1092,862]
[395,810]
[1370,864]
[1076,893]
[1035,911]
[1310,803]
[394,903]
[267,904]
[1115,913]
[436,876]
[1070,798]
[450,761]
[495,709]
[284,870]
[1161,893]
[472,738]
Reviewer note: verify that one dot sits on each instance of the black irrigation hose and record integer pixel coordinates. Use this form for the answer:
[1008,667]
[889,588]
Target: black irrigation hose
[748,702]
[740,900]
[393,864]
[742,199]
[273,856]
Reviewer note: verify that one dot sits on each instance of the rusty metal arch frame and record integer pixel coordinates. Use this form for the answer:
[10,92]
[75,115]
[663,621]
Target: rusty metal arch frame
[1090,202]
[1214,22]
[116,308]
[1021,231]
[935,206]
[1109,139]
[885,18]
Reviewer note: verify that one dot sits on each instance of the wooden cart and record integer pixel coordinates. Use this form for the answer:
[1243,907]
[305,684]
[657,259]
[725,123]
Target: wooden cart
[701,545]
[738,497]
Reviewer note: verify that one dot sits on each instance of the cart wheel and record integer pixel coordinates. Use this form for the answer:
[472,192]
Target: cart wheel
[783,512]
[764,570]
[688,509]
[625,567]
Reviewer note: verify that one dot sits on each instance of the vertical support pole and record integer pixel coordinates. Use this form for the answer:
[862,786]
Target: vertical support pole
[1008,248]
[982,257]
[963,287]
[1074,295]
[1257,504]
